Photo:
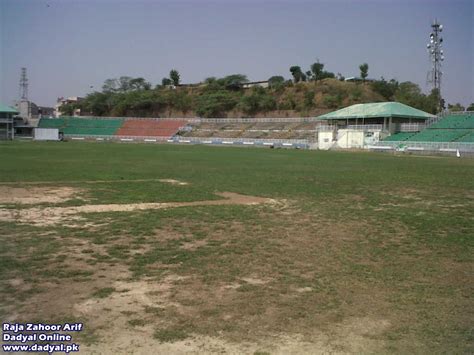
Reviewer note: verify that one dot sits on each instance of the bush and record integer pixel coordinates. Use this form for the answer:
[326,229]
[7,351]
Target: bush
[215,104]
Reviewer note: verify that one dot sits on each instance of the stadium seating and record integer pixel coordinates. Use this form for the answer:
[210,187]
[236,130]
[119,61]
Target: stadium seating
[452,128]
[266,130]
[399,137]
[150,128]
[83,126]
[52,123]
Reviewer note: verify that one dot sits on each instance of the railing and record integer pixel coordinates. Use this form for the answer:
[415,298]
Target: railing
[299,143]
[411,127]
[240,140]
[255,120]
[109,138]
[254,130]
[461,113]
[365,127]
[427,146]
[325,128]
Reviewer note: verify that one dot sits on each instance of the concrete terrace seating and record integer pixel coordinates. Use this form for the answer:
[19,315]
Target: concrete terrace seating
[150,128]
[268,130]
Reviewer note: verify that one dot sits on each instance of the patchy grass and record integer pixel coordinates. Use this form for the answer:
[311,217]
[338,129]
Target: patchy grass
[370,253]
[104,292]
[169,335]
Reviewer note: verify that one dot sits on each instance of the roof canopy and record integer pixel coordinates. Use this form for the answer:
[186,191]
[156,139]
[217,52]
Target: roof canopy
[377,109]
[7,109]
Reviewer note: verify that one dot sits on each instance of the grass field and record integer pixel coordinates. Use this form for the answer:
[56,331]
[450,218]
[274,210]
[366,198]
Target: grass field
[318,252]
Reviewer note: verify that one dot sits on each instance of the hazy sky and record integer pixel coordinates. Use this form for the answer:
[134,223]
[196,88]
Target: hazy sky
[68,45]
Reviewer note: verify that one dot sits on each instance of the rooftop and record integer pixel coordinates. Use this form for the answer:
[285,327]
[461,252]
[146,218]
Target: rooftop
[7,109]
[377,109]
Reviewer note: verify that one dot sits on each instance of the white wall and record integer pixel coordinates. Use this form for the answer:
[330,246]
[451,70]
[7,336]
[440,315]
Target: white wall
[325,139]
[46,134]
[348,138]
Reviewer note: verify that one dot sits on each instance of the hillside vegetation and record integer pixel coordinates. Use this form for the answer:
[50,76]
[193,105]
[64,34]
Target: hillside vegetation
[226,97]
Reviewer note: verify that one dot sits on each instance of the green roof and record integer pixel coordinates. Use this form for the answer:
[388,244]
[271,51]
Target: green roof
[377,109]
[7,109]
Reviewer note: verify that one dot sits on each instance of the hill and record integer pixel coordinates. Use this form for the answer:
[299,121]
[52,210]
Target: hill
[226,98]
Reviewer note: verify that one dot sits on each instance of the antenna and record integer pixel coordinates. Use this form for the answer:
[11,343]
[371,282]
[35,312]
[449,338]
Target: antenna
[23,85]
[436,56]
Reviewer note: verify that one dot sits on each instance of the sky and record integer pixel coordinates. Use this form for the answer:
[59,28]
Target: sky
[69,46]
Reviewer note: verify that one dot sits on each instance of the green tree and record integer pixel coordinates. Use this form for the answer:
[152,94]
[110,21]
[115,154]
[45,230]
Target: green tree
[256,101]
[455,107]
[67,109]
[317,70]
[308,99]
[470,107]
[233,81]
[166,82]
[385,88]
[410,94]
[110,85]
[364,71]
[174,76]
[215,104]
[276,81]
[295,70]
[139,84]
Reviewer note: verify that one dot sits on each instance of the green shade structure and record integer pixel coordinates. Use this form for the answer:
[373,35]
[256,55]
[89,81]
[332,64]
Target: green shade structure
[7,109]
[377,109]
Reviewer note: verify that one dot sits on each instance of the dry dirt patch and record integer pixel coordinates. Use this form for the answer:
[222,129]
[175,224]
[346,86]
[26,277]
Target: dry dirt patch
[33,194]
[54,215]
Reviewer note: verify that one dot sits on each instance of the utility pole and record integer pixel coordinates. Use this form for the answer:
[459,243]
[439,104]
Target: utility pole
[436,56]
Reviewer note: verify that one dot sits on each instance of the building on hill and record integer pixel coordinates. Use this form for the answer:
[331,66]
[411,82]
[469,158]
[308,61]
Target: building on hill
[252,84]
[360,125]
[356,79]
[64,101]
[7,121]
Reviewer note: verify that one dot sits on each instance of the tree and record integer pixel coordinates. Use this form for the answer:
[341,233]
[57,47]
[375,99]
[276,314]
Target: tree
[385,88]
[110,85]
[410,94]
[166,82]
[233,81]
[125,84]
[364,71]
[139,84]
[295,70]
[276,81]
[317,69]
[174,76]
[258,100]
[470,107]
[455,107]
[215,104]
[318,72]
[308,99]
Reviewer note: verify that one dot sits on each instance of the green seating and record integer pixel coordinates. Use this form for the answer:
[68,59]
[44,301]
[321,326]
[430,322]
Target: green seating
[452,128]
[83,126]
[399,137]
[52,123]
[455,121]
